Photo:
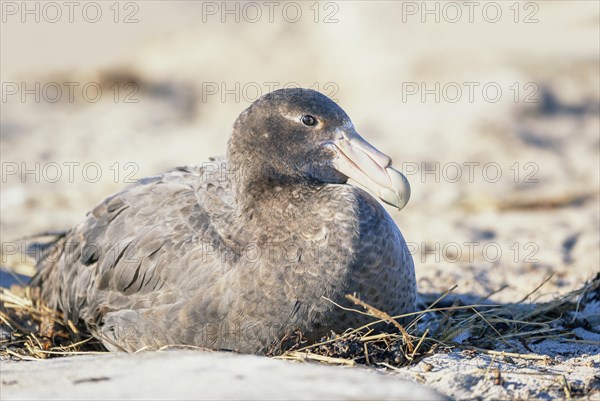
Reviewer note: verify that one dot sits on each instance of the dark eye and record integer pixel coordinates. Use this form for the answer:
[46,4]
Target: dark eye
[309,120]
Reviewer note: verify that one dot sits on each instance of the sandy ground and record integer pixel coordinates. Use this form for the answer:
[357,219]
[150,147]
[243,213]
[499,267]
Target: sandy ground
[198,375]
[496,125]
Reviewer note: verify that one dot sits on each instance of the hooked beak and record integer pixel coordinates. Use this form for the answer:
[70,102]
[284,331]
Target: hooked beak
[359,160]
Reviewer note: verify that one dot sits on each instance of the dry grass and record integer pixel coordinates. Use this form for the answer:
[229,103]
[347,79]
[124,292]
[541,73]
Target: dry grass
[447,324]
[33,331]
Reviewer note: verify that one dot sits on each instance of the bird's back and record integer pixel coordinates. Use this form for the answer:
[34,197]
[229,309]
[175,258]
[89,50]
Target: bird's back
[119,262]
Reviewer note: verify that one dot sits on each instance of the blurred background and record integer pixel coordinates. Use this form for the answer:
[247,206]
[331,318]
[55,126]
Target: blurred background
[491,109]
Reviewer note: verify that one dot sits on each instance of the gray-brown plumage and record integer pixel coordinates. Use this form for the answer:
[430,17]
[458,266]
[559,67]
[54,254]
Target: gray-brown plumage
[239,252]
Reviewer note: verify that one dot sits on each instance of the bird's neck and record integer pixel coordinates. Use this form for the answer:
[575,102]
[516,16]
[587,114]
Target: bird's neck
[255,185]
[275,196]
[270,206]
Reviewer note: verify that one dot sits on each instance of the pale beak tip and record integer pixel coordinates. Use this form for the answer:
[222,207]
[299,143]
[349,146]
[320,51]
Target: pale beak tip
[398,194]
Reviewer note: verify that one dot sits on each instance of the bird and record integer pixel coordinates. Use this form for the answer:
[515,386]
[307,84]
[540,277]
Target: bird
[241,251]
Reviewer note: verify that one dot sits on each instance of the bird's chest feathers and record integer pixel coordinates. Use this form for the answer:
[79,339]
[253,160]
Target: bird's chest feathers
[302,218]
[299,239]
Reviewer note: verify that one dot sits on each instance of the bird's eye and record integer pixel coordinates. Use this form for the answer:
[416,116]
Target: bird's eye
[309,120]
